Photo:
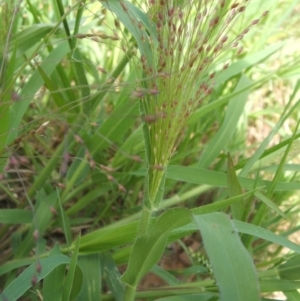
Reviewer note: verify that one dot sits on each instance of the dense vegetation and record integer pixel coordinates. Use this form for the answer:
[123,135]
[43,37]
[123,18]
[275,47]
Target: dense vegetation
[136,131]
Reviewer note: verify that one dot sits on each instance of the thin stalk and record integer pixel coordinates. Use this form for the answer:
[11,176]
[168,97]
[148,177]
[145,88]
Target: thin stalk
[144,222]
[173,201]
[129,293]
[44,175]
[143,230]
[181,289]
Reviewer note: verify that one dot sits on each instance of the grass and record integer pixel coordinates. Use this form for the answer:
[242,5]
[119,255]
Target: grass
[121,137]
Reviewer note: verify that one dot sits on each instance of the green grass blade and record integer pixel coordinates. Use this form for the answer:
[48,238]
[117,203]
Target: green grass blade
[12,265]
[130,17]
[248,62]
[234,189]
[112,277]
[290,270]
[259,152]
[61,10]
[41,222]
[15,216]
[200,176]
[293,295]
[52,87]
[228,128]
[274,183]
[23,282]
[228,256]
[148,249]
[114,127]
[30,36]
[7,76]
[217,205]
[278,173]
[64,220]
[55,279]
[73,280]
[91,285]
[266,234]
[106,238]
[98,97]
[270,204]
[194,297]
[82,80]
[269,153]
[31,87]
[278,285]
[166,275]
[48,169]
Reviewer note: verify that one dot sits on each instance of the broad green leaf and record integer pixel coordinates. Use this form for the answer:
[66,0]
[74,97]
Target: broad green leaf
[113,236]
[112,276]
[77,283]
[277,285]
[291,269]
[53,284]
[293,295]
[30,36]
[12,265]
[23,282]
[91,286]
[246,228]
[41,221]
[147,249]
[228,256]
[107,238]
[218,179]
[15,216]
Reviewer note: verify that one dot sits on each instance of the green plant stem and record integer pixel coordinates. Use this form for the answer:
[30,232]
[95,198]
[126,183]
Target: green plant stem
[177,290]
[142,230]
[144,222]
[173,201]
[129,293]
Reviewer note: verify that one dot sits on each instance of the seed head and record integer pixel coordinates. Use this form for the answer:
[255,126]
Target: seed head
[189,39]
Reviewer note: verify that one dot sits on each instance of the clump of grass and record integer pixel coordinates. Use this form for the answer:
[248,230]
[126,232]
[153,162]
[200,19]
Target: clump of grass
[79,172]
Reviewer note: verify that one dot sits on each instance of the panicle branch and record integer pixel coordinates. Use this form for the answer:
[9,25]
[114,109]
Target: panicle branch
[190,36]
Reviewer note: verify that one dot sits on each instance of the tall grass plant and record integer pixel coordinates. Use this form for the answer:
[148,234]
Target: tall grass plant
[127,127]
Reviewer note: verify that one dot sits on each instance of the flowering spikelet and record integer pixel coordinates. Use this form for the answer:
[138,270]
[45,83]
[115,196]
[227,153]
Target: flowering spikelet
[190,36]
